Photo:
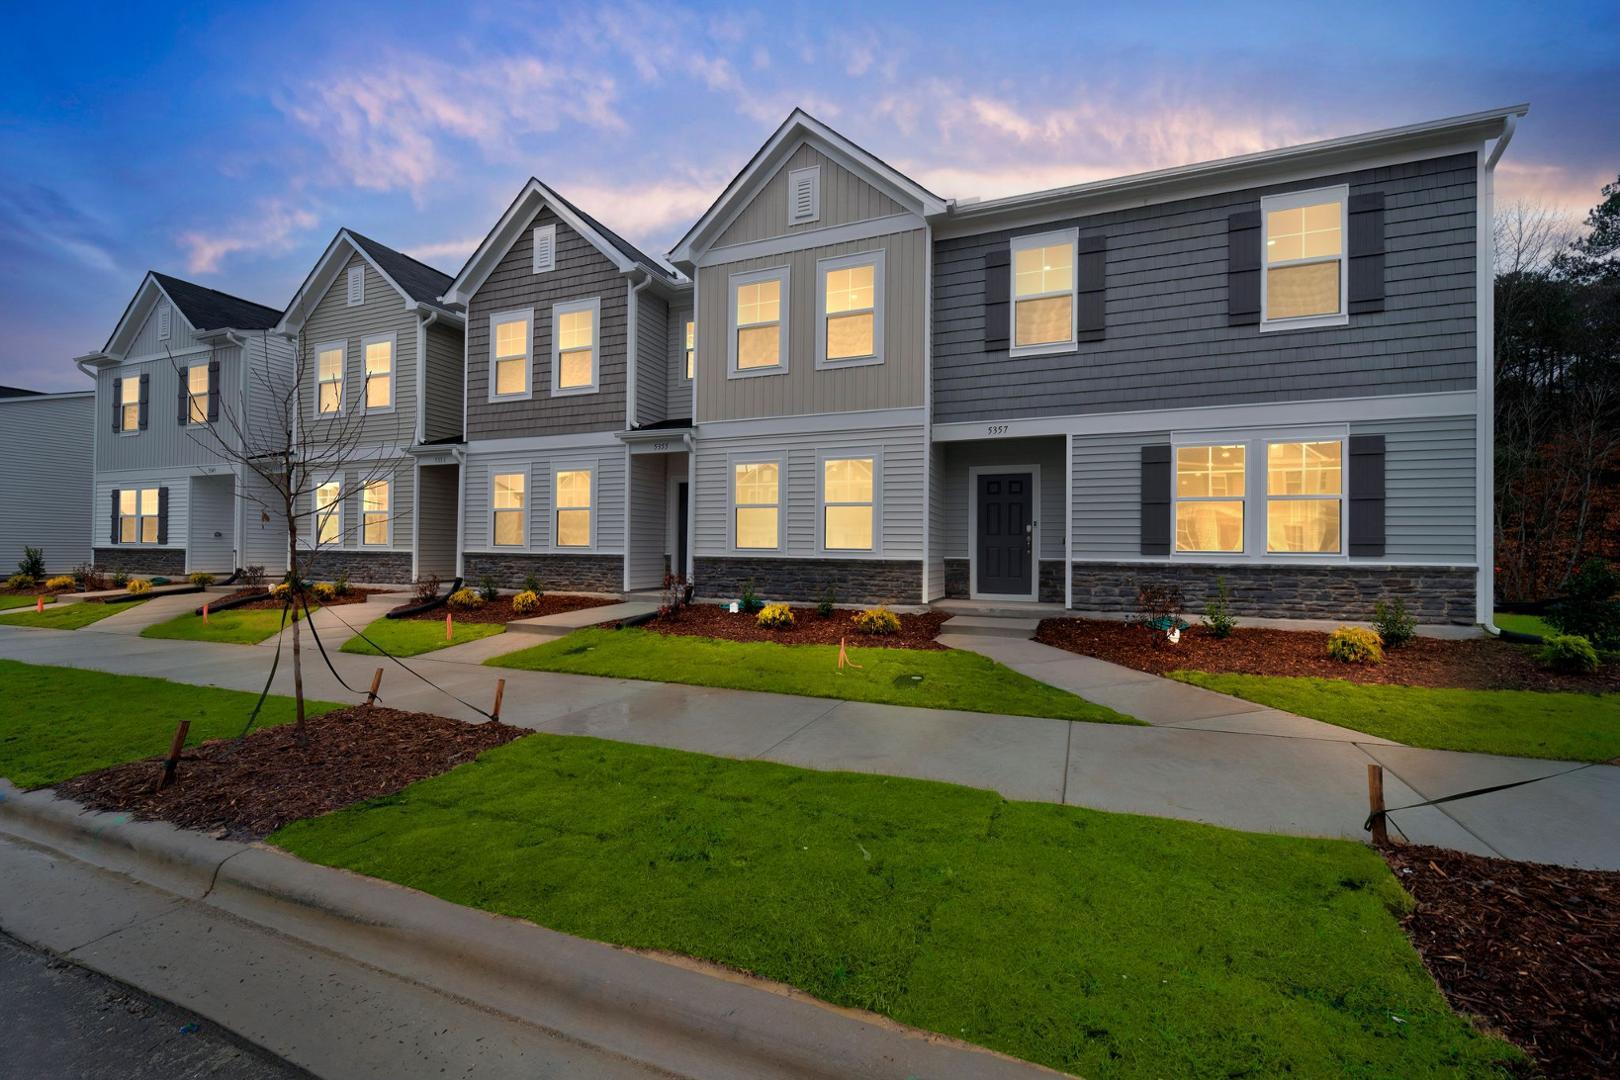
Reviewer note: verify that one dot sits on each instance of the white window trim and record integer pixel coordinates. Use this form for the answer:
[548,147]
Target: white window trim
[387,512]
[1035,240]
[313,540]
[690,320]
[527,512]
[138,517]
[342,380]
[814,173]
[1255,443]
[496,319]
[534,239]
[119,403]
[594,306]
[734,459]
[393,373]
[776,273]
[352,296]
[844,454]
[874,259]
[206,397]
[592,466]
[1294,199]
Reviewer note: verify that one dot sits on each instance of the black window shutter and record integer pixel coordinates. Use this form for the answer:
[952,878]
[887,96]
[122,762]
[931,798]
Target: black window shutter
[183,397]
[1243,268]
[1156,499]
[213,390]
[997,291]
[1366,489]
[1366,251]
[114,516]
[163,515]
[1092,282]
[146,396]
[118,404]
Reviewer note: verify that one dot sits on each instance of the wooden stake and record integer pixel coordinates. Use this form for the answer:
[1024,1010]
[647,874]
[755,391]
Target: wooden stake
[172,762]
[500,692]
[376,681]
[449,633]
[1375,802]
[205,614]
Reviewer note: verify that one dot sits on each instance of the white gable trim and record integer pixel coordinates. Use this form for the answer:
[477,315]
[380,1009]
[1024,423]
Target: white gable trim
[138,311]
[327,269]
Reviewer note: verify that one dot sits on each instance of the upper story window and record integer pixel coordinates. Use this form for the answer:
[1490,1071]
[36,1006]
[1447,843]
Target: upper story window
[571,501]
[1209,498]
[848,503]
[545,248]
[573,346]
[691,347]
[1305,273]
[511,337]
[1043,287]
[1304,497]
[756,504]
[374,516]
[357,286]
[508,508]
[329,375]
[197,394]
[850,301]
[759,322]
[129,403]
[138,516]
[329,513]
[378,356]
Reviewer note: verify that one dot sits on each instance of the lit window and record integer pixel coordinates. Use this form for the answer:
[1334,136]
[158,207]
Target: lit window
[851,309]
[511,337]
[847,486]
[1043,290]
[138,516]
[1304,246]
[329,513]
[573,507]
[379,360]
[330,364]
[507,505]
[129,403]
[374,513]
[691,347]
[197,391]
[755,497]
[573,346]
[1304,488]
[1209,498]
[759,322]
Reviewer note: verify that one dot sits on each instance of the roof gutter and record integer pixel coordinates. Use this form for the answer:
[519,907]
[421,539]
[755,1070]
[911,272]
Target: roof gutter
[1485,380]
[434,313]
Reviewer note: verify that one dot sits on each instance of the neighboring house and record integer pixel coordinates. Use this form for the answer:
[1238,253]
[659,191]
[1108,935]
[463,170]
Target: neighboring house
[379,365]
[577,403]
[186,372]
[47,504]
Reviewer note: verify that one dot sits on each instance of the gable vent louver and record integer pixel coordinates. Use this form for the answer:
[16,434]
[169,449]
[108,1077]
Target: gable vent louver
[357,285]
[165,327]
[804,196]
[545,249]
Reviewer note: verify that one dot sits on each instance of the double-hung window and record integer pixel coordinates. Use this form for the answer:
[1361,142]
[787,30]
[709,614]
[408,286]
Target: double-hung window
[849,295]
[691,347]
[571,507]
[756,504]
[759,323]
[511,338]
[329,513]
[848,503]
[573,346]
[1043,291]
[138,516]
[374,515]
[1305,274]
[129,403]
[197,391]
[329,375]
[1209,489]
[1304,497]
[377,353]
[508,508]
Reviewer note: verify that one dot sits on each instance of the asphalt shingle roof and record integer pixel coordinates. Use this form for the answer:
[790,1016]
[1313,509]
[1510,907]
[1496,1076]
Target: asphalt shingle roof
[421,281]
[210,309]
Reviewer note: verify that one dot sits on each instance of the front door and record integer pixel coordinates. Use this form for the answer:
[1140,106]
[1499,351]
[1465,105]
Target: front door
[1005,557]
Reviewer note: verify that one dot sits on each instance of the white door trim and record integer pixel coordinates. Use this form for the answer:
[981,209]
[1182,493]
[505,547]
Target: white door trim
[1034,533]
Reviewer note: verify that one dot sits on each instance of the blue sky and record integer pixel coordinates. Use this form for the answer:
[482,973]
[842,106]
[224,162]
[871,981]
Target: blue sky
[226,143]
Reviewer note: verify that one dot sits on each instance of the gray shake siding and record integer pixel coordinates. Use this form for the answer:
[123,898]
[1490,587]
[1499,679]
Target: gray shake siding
[652,358]
[47,503]
[1167,338]
[582,272]
[442,406]
[679,387]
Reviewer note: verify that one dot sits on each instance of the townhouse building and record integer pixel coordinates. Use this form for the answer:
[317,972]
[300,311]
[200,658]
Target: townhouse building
[48,503]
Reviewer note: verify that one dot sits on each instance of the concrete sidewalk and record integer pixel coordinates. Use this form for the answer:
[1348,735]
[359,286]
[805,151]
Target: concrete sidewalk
[1286,781]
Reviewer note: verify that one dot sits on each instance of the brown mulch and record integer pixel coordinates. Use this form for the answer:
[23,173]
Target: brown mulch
[266,602]
[499,610]
[247,790]
[1533,951]
[1476,664]
[809,628]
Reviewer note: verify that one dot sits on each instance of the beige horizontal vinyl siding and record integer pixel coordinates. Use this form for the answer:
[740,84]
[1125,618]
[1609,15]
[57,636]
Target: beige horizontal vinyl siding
[845,198]
[333,320]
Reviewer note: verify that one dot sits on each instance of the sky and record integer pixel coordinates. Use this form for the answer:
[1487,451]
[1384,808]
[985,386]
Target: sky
[226,143]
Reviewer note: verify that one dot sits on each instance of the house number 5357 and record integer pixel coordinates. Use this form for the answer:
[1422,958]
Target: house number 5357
[997,429]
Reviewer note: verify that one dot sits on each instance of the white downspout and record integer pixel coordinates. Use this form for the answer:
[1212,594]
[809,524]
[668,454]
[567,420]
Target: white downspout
[1485,430]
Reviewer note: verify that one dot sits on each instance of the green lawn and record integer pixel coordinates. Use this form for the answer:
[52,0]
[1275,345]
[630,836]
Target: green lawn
[1107,945]
[236,626]
[17,600]
[60,722]
[1524,723]
[1524,624]
[413,637]
[949,679]
[66,616]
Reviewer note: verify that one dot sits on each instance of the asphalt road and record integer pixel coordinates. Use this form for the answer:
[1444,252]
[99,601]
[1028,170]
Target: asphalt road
[66,1023]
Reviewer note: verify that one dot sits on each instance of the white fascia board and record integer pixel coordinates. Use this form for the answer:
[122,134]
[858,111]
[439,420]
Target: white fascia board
[589,440]
[139,306]
[813,423]
[320,279]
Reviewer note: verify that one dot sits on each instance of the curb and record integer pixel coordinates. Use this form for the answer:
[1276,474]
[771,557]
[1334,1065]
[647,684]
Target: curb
[679,1015]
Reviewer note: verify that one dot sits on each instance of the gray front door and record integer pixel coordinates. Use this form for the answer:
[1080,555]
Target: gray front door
[1005,533]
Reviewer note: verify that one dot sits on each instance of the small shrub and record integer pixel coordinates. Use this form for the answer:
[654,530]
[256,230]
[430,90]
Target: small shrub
[253,575]
[1158,607]
[1218,612]
[120,578]
[1356,645]
[32,563]
[426,588]
[750,601]
[1392,622]
[324,591]
[775,617]
[532,584]
[876,620]
[18,582]
[202,578]
[88,578]
[161,581]
[60,583]
[1569,653]
[340,585]
[281,591]
[466,600]
[137,586]
[677,595]
[828,600]
[488,589]
[1588,607]
[525,602]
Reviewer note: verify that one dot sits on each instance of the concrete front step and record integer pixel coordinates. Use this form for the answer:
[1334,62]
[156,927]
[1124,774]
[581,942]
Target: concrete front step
[569,621]
[989,626]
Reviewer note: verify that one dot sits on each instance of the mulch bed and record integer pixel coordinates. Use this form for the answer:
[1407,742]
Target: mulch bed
[1533,951]
[1478,664]
[809,628]
[247,790]
[266,602]
[499,610]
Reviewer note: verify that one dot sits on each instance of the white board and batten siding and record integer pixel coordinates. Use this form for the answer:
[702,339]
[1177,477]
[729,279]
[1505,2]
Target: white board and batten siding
[46,493]
[608,461]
